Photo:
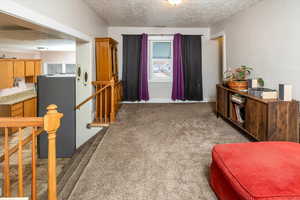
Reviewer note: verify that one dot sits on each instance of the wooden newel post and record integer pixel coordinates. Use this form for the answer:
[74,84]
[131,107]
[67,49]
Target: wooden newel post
[51,124]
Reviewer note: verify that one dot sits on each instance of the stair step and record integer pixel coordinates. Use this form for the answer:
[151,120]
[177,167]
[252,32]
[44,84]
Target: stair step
[66,186]
[71,173]
[97,124]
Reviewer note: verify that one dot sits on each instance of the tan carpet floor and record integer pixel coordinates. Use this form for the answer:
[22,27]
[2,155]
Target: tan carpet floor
[156,152]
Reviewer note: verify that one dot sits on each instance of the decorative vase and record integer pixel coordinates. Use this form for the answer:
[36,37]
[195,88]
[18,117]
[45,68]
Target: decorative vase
[238,85]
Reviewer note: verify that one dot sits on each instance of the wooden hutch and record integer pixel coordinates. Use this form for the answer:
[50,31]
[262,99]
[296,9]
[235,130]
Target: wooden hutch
[106,59]
[107,102]
[265,120]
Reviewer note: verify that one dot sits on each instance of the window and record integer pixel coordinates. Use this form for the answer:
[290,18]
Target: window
[59,68]
[161,59]
[70,68]
[54,68]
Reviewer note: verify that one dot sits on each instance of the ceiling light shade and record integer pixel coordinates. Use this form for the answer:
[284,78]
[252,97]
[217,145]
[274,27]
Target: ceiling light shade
[174,2]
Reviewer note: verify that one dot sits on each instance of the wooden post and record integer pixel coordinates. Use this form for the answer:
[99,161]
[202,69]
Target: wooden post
[33,165]
[51,124]
[97,105]
[105,105]
[6,177]
[20,164]
[112,111]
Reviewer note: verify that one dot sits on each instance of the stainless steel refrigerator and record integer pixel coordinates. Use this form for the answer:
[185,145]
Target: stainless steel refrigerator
[60,90]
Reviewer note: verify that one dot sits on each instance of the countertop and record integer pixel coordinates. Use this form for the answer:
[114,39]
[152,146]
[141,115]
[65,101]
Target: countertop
[16,98]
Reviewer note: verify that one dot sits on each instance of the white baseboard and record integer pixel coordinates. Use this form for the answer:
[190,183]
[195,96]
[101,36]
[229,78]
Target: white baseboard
[157,100]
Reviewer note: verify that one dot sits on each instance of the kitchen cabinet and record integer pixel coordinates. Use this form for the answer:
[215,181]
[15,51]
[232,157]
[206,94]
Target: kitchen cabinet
[37,68]
[29,68]
[6,74]
[37,71]
[25,108]
[14,110]
[30,106]
[19,69]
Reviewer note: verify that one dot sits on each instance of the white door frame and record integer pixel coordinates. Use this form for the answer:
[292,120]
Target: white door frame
[223,35]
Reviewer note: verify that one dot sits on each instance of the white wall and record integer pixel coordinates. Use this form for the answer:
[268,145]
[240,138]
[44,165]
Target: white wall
[20,54]
[74,18]
[160,92]
[72,13]
[266,37]
[58,56]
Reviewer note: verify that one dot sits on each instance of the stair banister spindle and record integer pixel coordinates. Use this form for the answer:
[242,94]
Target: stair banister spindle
[105,103]
[6,182]
[101,108]
[33,166]
[97,105]
[20,163]
[51,124]
[112,112]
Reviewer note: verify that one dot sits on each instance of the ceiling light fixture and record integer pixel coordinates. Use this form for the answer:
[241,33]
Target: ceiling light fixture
[174,2]
[41,48]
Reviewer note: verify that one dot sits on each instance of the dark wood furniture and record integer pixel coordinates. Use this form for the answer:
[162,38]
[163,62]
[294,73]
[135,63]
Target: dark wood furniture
[265,120]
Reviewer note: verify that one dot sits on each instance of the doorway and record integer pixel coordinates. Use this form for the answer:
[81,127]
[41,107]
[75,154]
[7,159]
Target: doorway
[221,42]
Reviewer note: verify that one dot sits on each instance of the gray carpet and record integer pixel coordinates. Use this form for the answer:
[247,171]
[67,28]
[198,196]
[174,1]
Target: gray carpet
[156,152]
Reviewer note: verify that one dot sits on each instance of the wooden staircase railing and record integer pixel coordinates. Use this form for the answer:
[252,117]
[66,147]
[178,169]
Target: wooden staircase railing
[118,95]
[107,99]
[49,123]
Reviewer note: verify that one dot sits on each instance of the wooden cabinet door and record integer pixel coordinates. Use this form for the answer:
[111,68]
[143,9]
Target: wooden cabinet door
[29,68]
[256,119]
[103,61]
[283,121]
[16,110]
[222,101]
[37,71]
[30,108]
[19,69]
[6,74]
[37,68]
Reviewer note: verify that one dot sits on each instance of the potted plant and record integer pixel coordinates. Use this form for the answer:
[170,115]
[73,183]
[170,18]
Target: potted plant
[237,78]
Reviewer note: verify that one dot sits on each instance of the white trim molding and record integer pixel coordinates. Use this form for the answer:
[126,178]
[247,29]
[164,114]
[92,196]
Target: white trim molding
[13,9]
[223,35]
[157,100]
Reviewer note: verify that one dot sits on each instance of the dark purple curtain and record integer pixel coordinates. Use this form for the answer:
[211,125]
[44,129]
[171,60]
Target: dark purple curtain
[178,81]
[143,87]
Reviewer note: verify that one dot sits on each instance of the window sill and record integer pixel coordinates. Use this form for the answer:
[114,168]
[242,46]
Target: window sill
[160,81]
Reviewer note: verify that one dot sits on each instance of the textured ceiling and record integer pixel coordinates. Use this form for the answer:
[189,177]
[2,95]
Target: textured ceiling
[190,13]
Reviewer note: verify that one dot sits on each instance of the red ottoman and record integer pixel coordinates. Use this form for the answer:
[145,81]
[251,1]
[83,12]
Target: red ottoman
[256,171]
